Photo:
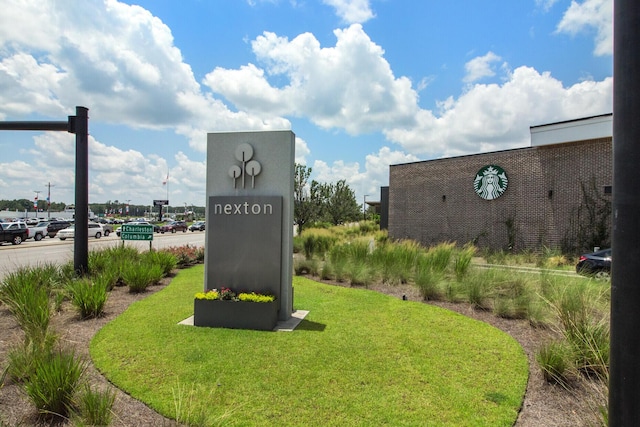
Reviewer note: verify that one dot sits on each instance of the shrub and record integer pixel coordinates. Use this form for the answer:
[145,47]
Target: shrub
[186,255]
[254,297]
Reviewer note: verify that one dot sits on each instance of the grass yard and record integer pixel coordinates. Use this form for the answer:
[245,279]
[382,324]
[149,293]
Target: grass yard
[360,358]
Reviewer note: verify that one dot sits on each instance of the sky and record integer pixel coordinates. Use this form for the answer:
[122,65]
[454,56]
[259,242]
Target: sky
[363,84]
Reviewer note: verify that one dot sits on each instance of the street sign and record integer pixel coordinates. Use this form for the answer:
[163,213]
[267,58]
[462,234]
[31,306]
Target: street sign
[160,203]
[136,232]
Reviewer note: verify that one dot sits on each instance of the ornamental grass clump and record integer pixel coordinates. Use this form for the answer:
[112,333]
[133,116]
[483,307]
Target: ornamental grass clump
[26,294]
[95,407]
[462,261]
[53,384]
[88,296]
[440,256]
[166,260]
[140,275]
[553,358]
[316,242]
[427,280]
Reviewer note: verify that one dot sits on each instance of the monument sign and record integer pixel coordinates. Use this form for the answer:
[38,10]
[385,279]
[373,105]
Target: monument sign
[249,236]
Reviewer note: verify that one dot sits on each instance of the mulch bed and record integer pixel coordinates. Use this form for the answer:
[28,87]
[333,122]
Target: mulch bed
[544,404]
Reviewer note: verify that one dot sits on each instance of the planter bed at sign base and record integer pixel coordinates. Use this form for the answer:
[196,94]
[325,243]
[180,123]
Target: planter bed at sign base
[261,316]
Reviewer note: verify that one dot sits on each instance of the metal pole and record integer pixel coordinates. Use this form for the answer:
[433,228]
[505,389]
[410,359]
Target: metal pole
[35,203]
[80,240]
[78,124]
[624,379]
[49,200]
[364,207]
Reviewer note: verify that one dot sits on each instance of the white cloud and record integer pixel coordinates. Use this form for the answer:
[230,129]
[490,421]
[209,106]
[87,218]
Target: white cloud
[349,86]
[546,5]
[118,60]
[302,151]
[480,67]
[489,117]
[368,181]
[352,11]
[121,62]
[591,15]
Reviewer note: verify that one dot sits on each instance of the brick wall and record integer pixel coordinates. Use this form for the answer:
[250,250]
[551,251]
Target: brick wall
[434,201]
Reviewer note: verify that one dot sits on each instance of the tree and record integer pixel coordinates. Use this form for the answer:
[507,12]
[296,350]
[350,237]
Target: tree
[341,205]
[334,203]
[303,208]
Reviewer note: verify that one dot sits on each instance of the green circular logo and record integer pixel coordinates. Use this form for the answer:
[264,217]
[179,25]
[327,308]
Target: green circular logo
[490,182]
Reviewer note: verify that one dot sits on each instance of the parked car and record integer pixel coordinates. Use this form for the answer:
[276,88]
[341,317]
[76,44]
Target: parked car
[95,230]
[55,226]
[198,225]
[597,264]
[107,229]
[39,231]
[174,226]
[14,232]
[156,228]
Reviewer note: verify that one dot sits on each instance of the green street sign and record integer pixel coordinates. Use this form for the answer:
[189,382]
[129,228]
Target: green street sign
[136,232]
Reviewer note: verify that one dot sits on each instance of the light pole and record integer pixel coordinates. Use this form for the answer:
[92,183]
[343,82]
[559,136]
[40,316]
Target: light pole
[364,207]
[35,203]
[49,185]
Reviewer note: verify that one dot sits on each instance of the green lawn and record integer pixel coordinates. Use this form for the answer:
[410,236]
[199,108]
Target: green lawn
[360,358]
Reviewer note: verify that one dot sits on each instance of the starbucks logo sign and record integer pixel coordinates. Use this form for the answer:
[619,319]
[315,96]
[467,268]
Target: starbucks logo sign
[490,182]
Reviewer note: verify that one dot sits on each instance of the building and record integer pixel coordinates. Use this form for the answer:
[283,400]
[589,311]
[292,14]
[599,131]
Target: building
[555,193]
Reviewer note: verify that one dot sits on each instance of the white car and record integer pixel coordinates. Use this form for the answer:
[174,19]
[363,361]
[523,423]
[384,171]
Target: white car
[95,230]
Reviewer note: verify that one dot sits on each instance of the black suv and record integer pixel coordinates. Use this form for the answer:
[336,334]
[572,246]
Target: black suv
[55,226]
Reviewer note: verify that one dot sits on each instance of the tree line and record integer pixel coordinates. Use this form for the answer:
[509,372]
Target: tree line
[115,207]
[334,203]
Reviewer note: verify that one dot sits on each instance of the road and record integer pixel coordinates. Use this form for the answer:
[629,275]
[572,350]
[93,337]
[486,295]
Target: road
[57,251]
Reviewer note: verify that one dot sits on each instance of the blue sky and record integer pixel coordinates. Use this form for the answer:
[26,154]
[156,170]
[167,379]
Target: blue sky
[362,83]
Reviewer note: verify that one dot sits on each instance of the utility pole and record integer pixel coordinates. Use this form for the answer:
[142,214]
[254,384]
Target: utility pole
[49,185]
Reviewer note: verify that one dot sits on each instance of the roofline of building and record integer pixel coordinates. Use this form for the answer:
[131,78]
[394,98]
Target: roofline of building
[528,147]
[572,120]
